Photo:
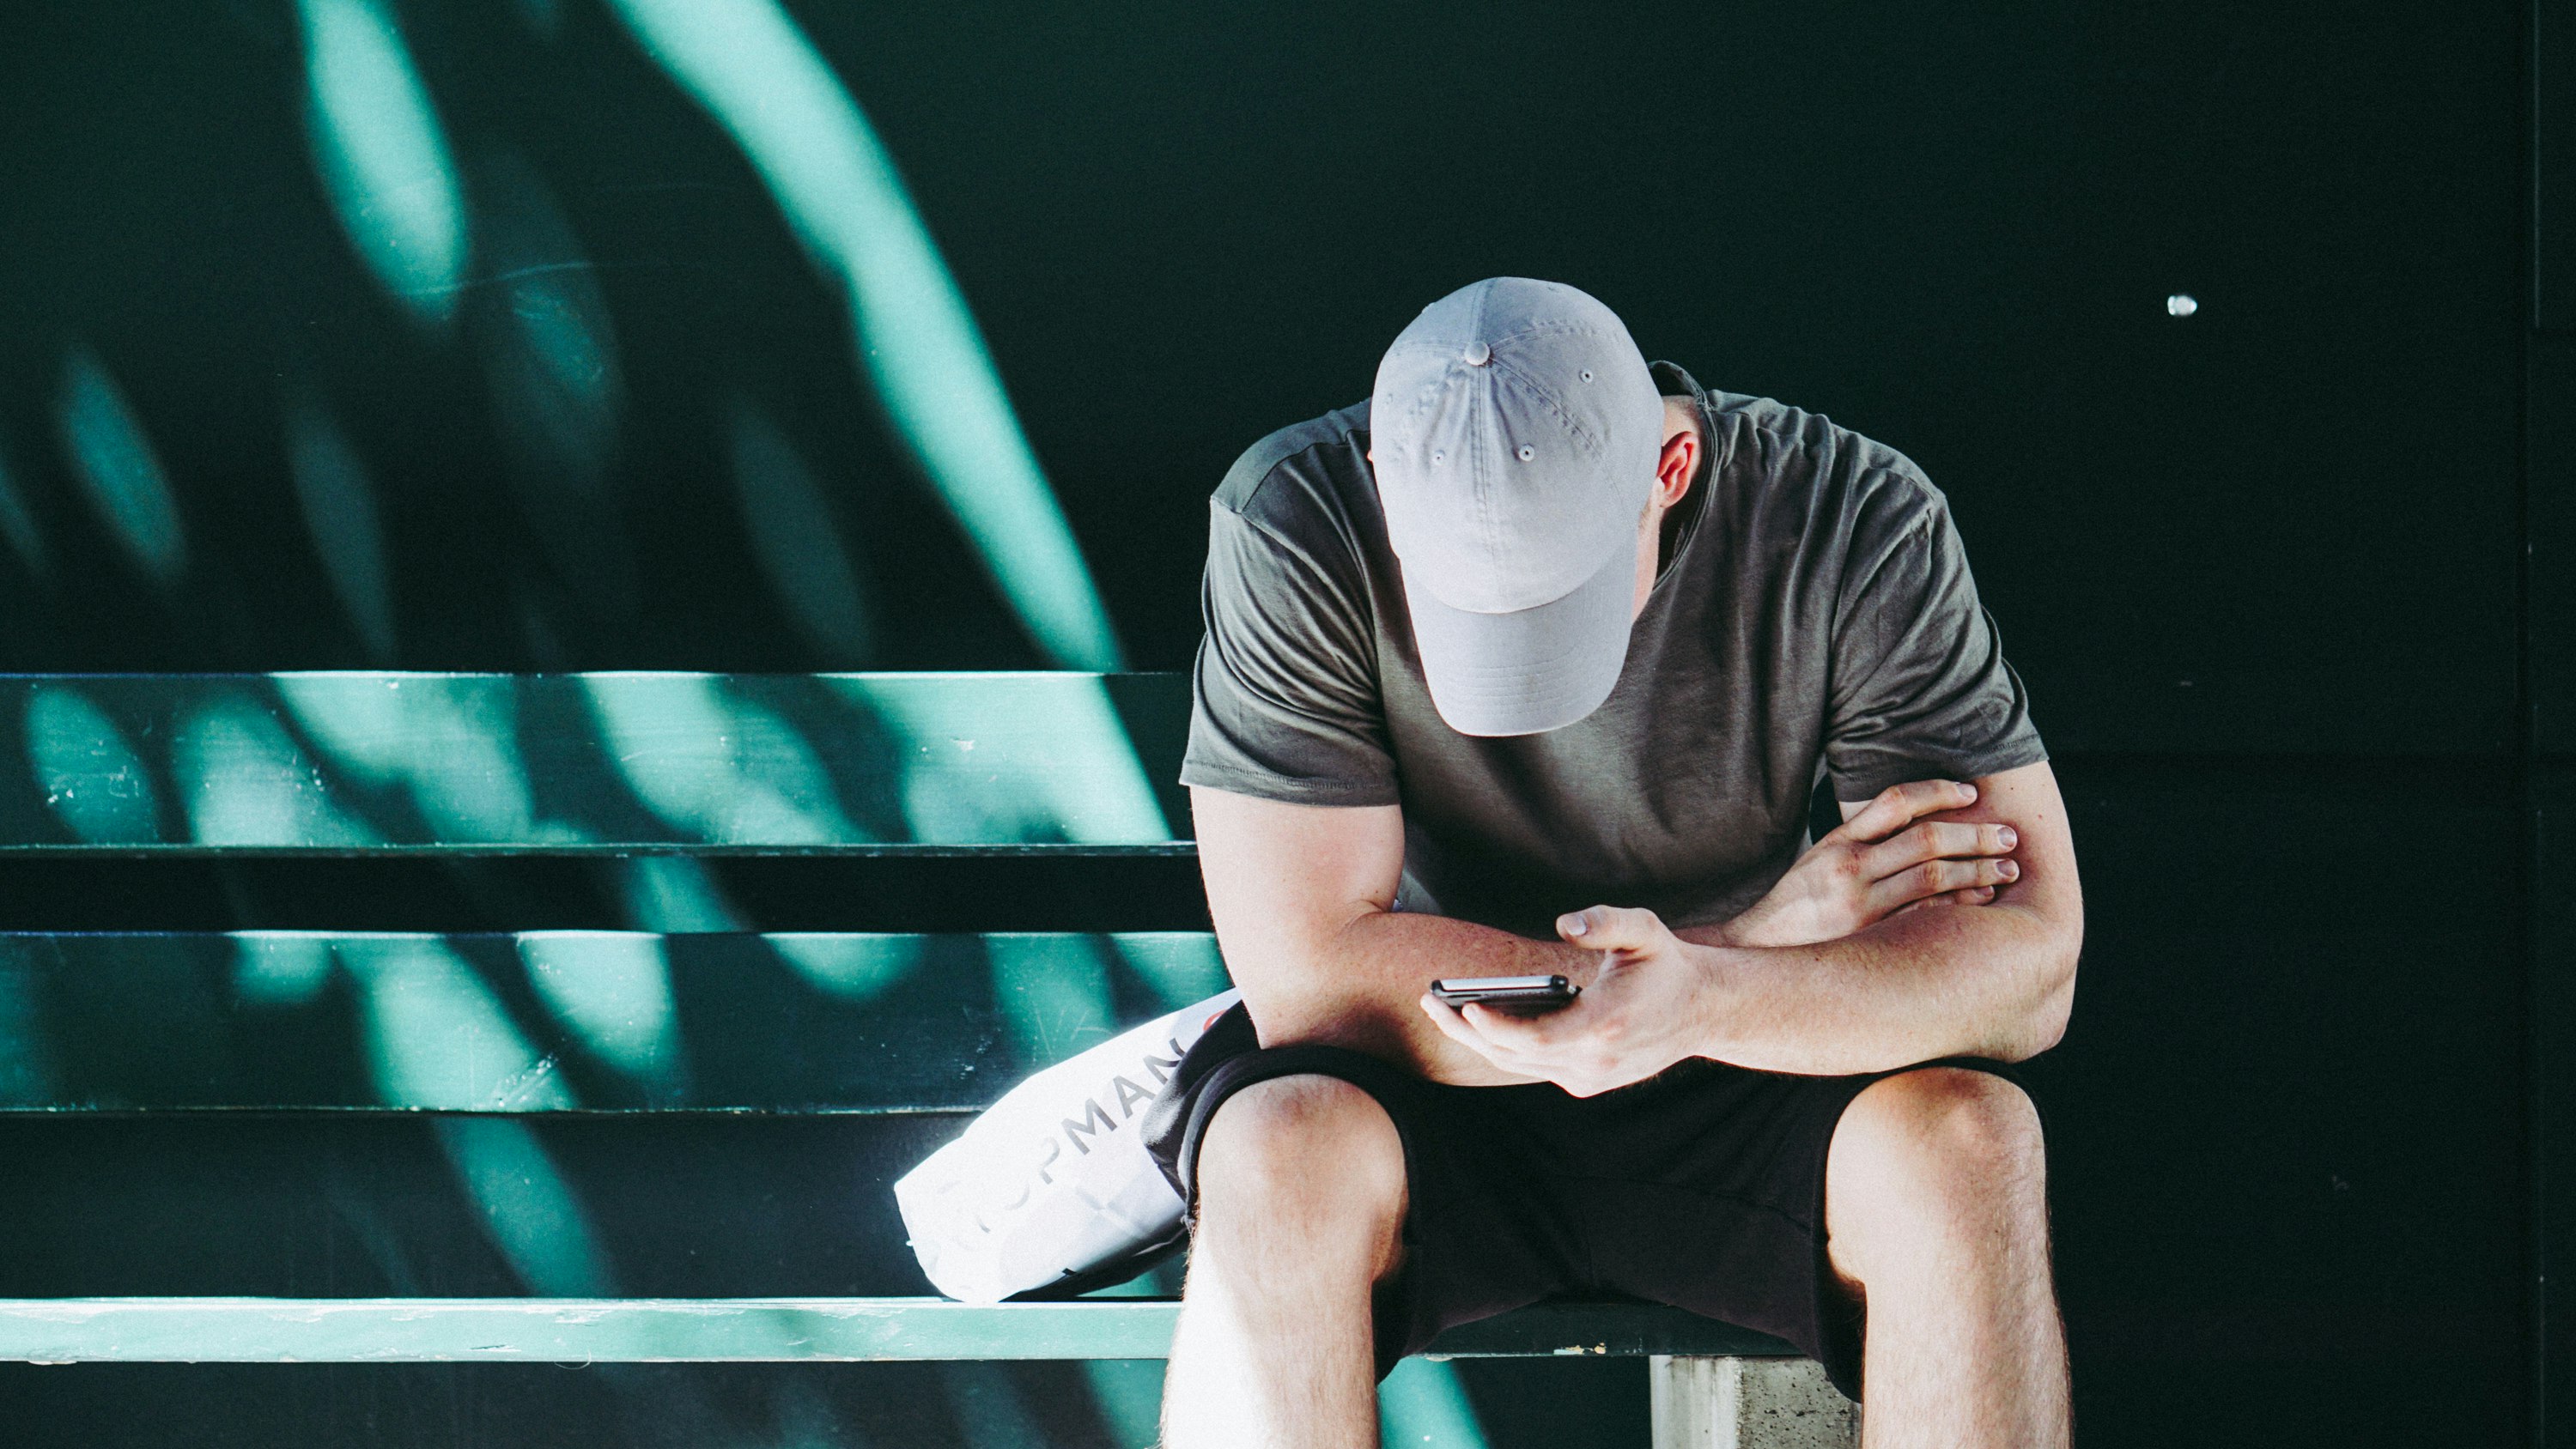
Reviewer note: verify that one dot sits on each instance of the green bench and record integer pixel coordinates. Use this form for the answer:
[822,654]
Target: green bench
[653,775]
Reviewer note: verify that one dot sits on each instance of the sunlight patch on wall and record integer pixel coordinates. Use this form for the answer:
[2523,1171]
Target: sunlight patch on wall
[455,752]
[847,967]
[1090,787]
[550,358]
[528,1206]
[1423,1406]
[715,765]
[438,1037]
[796,540]
[118,469]
[93,779]
[246,782]
[383,158]
[280,968]
[763,81]
[339,504]
[613,990]
[672,894]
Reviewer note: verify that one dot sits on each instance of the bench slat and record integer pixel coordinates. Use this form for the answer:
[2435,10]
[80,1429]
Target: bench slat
[377,763]
[556,1021]
[740,1330]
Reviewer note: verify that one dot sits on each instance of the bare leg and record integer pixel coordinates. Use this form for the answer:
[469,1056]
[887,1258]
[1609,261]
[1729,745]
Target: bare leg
[1936,1213]
[1301,1202]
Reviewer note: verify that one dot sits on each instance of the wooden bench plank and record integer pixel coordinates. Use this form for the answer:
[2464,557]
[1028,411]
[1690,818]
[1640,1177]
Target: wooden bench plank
[740,1330]
[558,1021]
[365,763]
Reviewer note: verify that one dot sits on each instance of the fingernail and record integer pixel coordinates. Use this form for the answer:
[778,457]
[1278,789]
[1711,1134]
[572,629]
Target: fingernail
[2008,870]
[1573,925]
[1968,790]
[2010,838]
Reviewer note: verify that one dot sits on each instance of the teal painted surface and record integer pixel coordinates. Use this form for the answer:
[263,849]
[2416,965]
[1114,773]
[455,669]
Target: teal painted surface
[382,155]
[759,76]
[2285,524]
[121,473]
[759,1330]
[1423,1406]
[388,763]
[558,1021]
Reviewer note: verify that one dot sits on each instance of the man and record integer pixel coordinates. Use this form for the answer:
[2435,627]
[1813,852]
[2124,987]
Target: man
[1529,664]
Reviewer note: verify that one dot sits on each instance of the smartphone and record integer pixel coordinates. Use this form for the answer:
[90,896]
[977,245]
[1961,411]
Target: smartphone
[1525,995]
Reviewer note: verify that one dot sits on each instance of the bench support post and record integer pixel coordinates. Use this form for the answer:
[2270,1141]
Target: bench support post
[1747,1403]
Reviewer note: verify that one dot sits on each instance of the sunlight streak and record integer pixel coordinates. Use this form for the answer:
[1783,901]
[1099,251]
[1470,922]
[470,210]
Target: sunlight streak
[119,470]
[382,155]
[763,81]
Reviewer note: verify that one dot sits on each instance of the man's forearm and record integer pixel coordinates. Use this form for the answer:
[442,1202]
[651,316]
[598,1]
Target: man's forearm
[1969,981]
[1378,966]
[1993,980]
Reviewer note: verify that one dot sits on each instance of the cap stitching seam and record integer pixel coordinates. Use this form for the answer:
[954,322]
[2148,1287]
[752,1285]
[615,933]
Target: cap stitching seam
[1546,396]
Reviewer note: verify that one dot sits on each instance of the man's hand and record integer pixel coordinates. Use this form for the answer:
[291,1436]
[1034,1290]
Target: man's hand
[1640,1014]
[1874,866]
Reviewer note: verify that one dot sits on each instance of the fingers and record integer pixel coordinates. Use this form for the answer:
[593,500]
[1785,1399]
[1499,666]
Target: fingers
[1491,1034]
[1611,928]
[1972,896]
[1898,806]
[1938,877]
[1451,1024]
[1933,840]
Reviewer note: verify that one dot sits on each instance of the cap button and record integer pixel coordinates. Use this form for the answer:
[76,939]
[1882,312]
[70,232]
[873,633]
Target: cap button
[1478,354]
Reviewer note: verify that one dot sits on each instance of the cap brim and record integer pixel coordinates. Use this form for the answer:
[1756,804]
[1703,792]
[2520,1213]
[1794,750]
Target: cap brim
[1529,670]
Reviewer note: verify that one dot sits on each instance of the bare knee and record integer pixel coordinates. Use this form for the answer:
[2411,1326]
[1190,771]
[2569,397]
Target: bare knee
[1308,1158]
[1949,1120]
[1939,1152]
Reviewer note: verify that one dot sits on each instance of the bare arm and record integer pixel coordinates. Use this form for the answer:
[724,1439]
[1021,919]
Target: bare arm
[1996,981]
[1303,897]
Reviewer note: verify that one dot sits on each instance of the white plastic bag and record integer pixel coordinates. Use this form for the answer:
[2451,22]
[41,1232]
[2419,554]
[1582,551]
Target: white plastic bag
[1054,1179]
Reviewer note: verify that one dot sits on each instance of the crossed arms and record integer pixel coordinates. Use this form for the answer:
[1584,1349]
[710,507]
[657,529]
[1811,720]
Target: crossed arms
[1899,938]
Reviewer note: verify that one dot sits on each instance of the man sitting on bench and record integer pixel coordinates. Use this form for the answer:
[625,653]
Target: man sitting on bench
[1529,664]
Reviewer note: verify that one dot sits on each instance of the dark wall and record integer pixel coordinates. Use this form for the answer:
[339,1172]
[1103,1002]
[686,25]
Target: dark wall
[2263,566]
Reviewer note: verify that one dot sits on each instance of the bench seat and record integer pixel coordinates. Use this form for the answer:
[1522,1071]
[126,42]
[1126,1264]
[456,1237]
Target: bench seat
[824,1023]
[643,772]
[745,1330]
[456,766]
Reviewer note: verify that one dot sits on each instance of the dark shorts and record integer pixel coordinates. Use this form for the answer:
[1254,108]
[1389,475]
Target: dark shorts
[1703,1187]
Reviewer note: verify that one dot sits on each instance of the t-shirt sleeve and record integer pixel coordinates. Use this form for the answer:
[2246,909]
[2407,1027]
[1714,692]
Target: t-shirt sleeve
[1920,688]
[1284,701]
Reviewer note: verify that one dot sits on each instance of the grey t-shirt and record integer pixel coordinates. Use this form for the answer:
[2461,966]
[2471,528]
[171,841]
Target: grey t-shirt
[1814,618]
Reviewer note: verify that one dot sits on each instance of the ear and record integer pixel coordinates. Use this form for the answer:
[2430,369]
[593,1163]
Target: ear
[1675,467]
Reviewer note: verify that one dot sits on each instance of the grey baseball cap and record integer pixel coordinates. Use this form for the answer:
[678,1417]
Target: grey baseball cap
[1514,431]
